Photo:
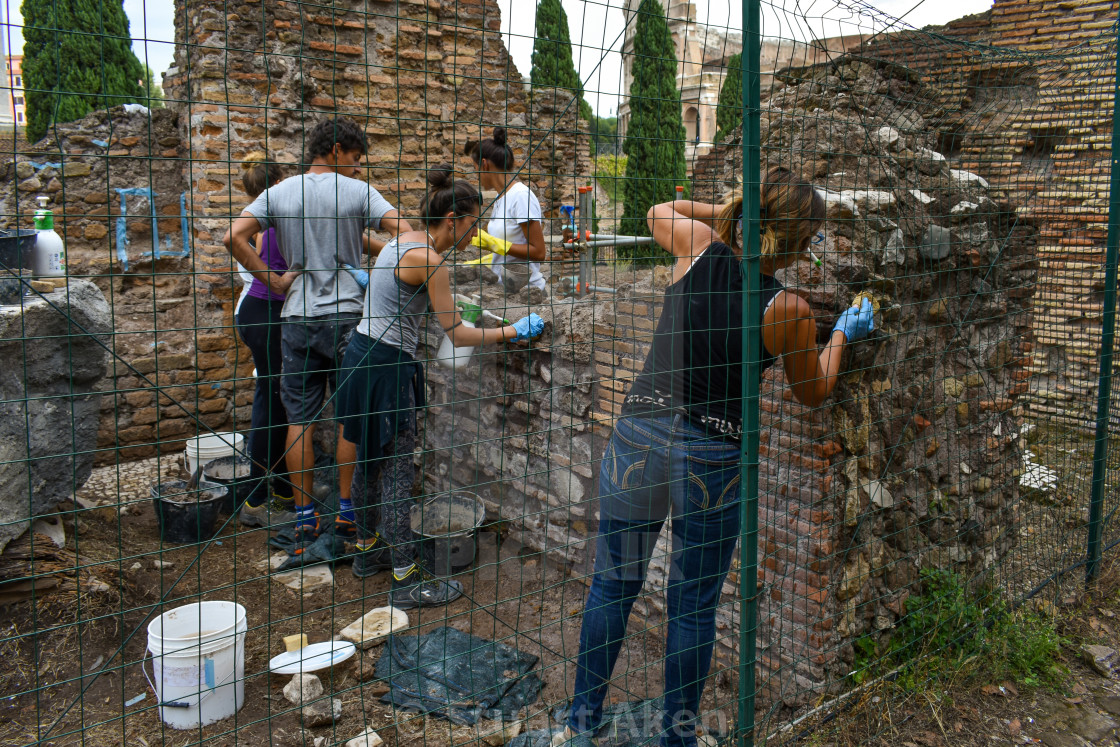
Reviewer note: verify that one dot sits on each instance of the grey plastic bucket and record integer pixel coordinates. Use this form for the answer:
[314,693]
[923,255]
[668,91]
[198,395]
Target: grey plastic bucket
[448,527]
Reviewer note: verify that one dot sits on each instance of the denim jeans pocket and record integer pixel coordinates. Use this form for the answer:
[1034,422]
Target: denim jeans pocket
[713,477]
[625,463]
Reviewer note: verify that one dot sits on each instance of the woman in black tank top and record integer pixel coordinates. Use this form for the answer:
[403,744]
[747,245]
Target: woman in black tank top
[675,449]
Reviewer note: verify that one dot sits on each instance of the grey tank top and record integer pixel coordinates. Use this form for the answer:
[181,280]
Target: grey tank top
[394,310]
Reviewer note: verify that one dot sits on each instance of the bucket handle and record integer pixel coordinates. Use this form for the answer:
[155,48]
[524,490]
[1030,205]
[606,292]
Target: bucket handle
[202,695]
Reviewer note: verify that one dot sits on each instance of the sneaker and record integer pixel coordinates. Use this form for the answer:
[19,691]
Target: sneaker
[305,536]
[345,529]
[418,589]
[371,561]
[271,514]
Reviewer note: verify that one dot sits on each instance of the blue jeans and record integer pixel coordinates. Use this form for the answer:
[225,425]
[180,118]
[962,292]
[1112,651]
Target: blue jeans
[651,468]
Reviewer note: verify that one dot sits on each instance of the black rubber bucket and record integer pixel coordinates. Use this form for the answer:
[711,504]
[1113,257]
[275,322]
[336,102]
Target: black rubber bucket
[231,472]
[17,249]
[187,516]
[448,526]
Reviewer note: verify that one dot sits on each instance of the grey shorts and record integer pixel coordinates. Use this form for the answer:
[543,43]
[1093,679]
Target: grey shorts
[312,350]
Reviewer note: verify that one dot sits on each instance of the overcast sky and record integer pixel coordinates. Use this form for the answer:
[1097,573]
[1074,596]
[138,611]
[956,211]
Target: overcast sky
[596,28]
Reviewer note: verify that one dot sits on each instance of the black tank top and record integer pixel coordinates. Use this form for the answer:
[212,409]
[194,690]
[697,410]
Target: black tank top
[695,366]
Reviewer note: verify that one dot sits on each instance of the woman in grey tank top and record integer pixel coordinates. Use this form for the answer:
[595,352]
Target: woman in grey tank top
[382,382]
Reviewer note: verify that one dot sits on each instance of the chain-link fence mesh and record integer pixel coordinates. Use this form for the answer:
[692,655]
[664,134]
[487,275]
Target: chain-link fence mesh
[917,483]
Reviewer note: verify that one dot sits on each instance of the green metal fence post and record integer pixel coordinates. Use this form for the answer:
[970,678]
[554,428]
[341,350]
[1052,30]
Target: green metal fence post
[1108,335]
[752,342]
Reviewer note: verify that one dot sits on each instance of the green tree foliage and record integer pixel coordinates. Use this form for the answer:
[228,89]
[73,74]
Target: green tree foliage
[654,143]
[552,54]
[604,136]
[610,170]
[729,110]
[153,90]
[77,57]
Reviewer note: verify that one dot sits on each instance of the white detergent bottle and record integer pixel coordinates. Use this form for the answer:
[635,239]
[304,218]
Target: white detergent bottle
[450,356]
[50,254]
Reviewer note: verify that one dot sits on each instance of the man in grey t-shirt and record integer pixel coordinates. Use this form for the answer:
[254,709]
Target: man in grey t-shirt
[321,218]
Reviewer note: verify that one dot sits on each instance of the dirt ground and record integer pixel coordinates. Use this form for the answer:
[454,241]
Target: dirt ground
[513,595]
[52,647]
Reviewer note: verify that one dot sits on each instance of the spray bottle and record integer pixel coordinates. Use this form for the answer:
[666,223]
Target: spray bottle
[450,356]
[50,253]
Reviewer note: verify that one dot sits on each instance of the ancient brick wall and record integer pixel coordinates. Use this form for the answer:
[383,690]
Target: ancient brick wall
[116,186]
[1039,129]
[422,77]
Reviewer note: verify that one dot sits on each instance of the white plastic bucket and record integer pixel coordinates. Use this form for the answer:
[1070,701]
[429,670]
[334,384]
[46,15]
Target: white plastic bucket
[198,663]
[204,449]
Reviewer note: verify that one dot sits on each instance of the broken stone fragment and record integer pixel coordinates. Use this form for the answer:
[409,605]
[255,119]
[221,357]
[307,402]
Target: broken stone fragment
[375,625]
[887,136]
[938,311]
[303,688]
[967,178]
[368,738]
[936,243]
[895,248]
[879,494]
[1101,658]
[322,712]
[953,387]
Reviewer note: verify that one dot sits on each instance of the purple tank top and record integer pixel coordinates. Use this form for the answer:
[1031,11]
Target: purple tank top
[270,253]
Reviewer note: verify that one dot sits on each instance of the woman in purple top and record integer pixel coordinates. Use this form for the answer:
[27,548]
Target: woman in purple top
[258,323]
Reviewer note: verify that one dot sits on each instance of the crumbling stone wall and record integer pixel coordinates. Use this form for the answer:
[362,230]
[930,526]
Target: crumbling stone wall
[915,461]
[1039,130]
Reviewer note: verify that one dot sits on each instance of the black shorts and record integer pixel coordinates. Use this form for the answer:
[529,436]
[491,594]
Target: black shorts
[312,349]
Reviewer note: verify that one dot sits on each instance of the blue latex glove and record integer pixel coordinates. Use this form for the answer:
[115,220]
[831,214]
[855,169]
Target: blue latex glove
[857,324]
[361,277]
[528,327]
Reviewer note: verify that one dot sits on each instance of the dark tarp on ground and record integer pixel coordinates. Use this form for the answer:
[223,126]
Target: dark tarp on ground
[459,676]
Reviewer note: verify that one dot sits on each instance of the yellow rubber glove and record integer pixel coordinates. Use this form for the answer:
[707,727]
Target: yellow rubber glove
[491,243]
[485,259]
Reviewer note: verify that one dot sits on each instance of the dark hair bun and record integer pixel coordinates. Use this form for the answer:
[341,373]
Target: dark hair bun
[470,148]
[440,177]
[500,136]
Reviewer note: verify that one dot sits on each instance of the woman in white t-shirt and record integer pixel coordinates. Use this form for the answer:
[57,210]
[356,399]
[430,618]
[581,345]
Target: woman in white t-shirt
[516,216]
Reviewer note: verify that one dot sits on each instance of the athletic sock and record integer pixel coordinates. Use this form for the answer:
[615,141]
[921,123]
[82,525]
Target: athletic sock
[346,510]
[363,545]
[400,574]
[305,516]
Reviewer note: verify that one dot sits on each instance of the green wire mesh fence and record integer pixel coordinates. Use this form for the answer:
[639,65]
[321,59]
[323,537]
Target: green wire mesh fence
[776,520]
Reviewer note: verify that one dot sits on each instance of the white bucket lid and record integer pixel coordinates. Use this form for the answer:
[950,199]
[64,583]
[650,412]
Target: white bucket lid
[195,625]
[216,442]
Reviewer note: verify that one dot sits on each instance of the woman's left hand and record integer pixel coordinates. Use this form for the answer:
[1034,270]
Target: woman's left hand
[856,323]
[528,327]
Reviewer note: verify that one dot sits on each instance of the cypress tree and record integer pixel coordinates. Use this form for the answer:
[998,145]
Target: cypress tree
[552,54]
[77,57]
[654,143]
[729,110]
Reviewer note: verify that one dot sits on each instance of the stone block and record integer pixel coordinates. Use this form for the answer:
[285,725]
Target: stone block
[49,414]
